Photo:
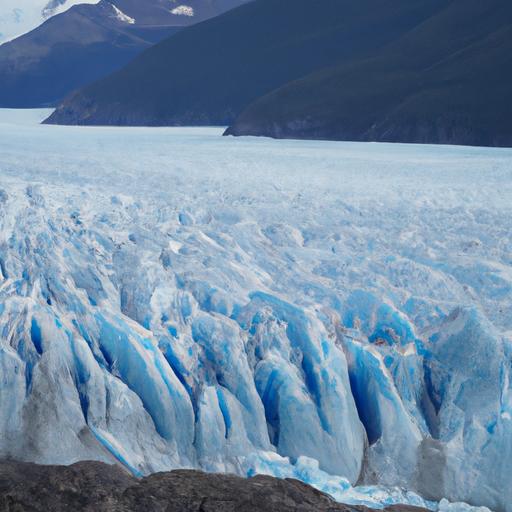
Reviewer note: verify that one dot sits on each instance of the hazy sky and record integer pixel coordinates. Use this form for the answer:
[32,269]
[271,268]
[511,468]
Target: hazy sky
[20,16]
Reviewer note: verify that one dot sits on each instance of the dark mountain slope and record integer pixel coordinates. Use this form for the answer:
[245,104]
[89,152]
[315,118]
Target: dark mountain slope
[447,81]
[93,486]
[88,42]
[67,52]
[208,73]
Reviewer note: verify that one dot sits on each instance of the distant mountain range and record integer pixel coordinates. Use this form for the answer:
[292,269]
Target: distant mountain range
[385,70]
[87,42]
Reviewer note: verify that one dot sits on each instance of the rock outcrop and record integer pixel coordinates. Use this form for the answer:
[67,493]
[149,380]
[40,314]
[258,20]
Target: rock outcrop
[98,487]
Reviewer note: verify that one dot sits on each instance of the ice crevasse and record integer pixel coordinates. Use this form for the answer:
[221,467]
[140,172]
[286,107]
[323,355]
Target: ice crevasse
[152,338]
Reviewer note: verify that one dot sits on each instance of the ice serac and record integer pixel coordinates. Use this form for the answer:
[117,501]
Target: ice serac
[153,370]
[437,412]
[468,369]
[166,313]
[300,372]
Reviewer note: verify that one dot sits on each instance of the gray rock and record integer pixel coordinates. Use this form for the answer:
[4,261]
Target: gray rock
[98,487]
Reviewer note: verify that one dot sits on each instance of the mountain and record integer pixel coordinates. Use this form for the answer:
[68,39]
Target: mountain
[98,487]
[207,74]
[377,70]
[449,80]
[20,16]
[68,51]
[88,42]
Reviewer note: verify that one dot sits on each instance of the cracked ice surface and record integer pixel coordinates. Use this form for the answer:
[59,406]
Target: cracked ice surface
[335,312]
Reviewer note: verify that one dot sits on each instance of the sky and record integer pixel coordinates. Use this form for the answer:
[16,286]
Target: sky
[20,16]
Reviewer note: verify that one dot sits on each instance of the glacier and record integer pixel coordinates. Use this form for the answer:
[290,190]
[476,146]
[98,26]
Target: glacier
[335,312]
[17,17]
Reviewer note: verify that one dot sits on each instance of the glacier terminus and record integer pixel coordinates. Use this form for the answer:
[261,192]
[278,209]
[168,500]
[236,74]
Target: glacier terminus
[340,313]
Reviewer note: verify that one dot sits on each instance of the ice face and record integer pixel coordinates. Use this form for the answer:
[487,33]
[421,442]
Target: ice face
[334,312]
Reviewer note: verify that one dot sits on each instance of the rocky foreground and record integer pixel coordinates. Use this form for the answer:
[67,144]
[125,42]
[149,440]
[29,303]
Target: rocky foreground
[98,487]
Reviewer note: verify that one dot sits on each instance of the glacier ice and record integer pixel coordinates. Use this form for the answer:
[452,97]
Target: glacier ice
[335,312]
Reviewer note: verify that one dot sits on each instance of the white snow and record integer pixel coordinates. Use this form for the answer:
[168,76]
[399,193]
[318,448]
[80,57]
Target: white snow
[183,10]
[121,16]
[18,17]
[170,297]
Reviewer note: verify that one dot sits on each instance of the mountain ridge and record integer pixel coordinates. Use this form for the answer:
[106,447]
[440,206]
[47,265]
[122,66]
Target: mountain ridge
[241,55]
[419,72]
[86,43]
